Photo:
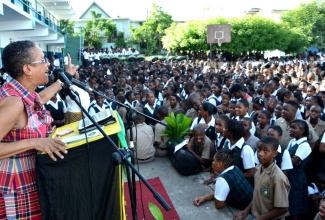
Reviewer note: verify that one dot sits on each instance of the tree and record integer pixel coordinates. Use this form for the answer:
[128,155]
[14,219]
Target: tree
[248,34]
[98,29]
[151,31]
[66,27]
[310,18]
[120,41]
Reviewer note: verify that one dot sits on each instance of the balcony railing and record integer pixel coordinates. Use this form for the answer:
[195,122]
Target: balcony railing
[38,12]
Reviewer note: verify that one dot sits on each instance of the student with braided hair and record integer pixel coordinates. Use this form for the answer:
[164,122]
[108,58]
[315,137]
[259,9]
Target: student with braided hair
[231,187]
[243,153]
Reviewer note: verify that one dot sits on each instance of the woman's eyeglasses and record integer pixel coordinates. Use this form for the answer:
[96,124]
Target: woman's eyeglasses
[44,60]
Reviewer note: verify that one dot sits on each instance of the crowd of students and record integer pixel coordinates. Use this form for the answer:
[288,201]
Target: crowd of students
[257,125]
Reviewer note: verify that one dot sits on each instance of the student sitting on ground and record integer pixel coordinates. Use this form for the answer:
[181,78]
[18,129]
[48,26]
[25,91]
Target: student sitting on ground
[161,142]
[231,187]
[143,137]
[271,188]
[201,147]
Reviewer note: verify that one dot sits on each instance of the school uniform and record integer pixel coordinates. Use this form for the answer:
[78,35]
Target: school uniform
[283,159]
[191,113]
[253,129]
[252,141]
[271,190]
[313,137]
[222,142]
[213,100]
[205,149]
[261,132]
[298,196]
[143,138]
[319,128]
[95,108]
[243,155]
[147,110]
[162,150]
[170,110]
[232,188]
[210,131]
[57,109]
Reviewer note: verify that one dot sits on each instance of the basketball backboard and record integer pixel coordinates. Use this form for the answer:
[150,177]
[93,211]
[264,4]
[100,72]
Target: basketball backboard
[217,34]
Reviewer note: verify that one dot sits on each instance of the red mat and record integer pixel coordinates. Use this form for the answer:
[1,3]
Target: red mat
[147,197]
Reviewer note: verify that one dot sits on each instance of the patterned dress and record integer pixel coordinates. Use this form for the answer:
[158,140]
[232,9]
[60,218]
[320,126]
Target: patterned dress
[18,193]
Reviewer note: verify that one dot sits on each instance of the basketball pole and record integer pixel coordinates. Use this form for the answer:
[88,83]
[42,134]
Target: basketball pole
[210,52]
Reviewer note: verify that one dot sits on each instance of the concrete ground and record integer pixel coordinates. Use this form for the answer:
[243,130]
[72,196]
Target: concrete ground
[183,189]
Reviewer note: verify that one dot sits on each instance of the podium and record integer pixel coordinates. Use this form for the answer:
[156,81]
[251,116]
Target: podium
[85,184]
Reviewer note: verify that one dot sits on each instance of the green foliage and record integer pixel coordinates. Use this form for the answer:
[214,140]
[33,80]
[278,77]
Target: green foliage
[310,18]
[177,127]
[151,31]
[98,29]
[120,41]
[66,27]
[251,33]
[155,211]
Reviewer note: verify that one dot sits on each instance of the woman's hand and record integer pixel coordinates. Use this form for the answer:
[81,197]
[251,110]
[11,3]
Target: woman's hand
[51,146]
[72,69]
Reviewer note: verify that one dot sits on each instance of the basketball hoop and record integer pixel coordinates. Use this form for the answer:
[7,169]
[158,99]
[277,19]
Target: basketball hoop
[218,34]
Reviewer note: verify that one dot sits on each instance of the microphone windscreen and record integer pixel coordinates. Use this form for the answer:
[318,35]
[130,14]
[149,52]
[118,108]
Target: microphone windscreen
[56,73]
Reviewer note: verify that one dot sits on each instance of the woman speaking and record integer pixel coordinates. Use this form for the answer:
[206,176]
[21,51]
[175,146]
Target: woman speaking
[24,128]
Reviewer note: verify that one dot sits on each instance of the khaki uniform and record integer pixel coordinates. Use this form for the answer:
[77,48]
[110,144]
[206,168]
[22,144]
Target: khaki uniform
[143,139]
[286,136]
[319,128]
[162,150]
[271,190]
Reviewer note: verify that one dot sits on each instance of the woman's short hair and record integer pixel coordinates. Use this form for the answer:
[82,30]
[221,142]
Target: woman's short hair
[15,55]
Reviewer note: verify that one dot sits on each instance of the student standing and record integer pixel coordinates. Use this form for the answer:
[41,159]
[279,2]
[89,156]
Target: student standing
[270,198]
[299,150]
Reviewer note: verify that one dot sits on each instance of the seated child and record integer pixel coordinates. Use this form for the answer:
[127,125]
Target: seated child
[201,147]
[143,137]
[231,187]
[57,108]
[161,142]
[150,109]
[99,106]
[271,191]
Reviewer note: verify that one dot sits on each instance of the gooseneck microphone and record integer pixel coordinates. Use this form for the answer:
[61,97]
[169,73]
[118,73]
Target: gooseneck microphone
[68,79]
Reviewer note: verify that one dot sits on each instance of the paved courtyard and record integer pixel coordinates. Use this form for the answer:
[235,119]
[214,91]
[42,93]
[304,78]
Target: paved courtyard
[183,189]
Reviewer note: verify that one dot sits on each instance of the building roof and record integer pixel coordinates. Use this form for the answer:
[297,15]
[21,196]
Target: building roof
[94,7]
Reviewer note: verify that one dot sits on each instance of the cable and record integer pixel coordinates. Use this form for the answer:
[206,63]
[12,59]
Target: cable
[89,167]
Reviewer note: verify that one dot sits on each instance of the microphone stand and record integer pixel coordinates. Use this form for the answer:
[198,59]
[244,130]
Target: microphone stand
[121,156]
[130,119]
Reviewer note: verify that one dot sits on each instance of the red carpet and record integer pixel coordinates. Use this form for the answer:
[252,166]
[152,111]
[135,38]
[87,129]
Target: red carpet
[147,197]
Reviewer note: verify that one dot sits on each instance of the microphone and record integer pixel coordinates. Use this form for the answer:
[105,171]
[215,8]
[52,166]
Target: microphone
[69,80]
